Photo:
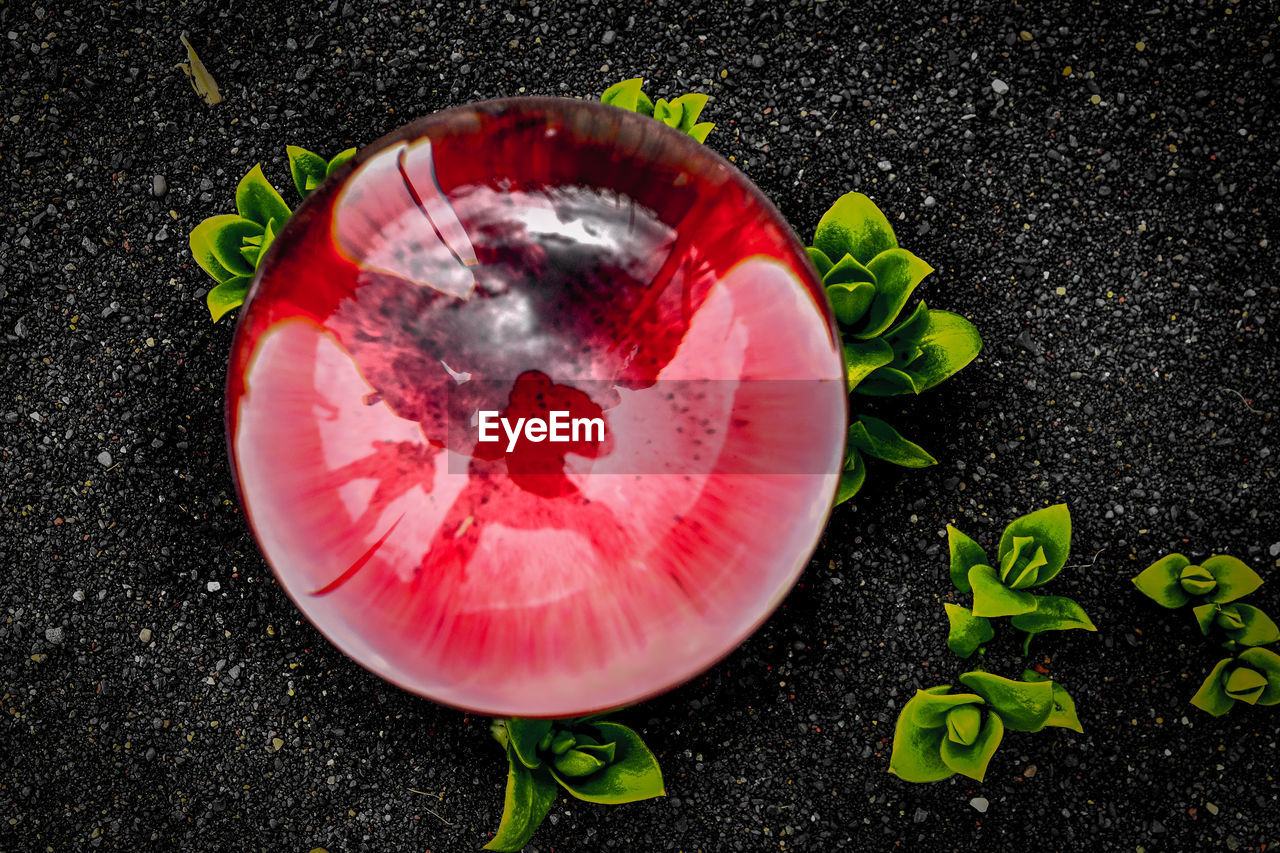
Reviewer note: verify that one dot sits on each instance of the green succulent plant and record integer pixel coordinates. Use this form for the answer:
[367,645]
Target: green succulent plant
[1241,625]
[230,246]
[1173,580]
[1033,549]
[1215,587]
[681,113]
[1253,676]
[592,759]
[940,733]
[869,280]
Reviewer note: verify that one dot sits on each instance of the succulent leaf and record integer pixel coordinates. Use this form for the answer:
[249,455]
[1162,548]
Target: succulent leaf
[898,273]
[971,760]
[820,260]
[850,300]
[931,711]
[948,344]
[854,226]
[306,168]
[1244,684]
[852,477]
[1025,706]
[576,764]
[668,113]
[700,130]
[849,271]
[1197,580]
[227,295]
[1268,663]
[339,160]
[1053,613]
[967,632]
[625,94]
[258,201]
[1159,581]
[992,598]
[690,106]
[525,735]
[1234,578]
[1051,529]
[965,554]
[876,438]
[863,357]
[1063,715]
[963,724]
[528,799]
[216,242]
[562,741]
[917,751]
[888,381]
[1212,697]
[633,775]
[606,752]
[1256,627]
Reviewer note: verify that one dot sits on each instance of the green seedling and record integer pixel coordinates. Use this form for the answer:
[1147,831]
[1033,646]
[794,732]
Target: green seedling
[593,760]
[1033,549]
[940,733]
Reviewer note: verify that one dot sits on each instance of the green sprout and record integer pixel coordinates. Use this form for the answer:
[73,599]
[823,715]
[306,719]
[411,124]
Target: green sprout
[1252,677]
[230,246]
[1241,625]
[1173,580]
[869,280]
[1033,550]
[940,733]
[1215,586]
[594,760]
[681,113]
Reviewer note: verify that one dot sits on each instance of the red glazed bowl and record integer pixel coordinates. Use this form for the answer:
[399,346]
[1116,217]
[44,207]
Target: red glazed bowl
[512,260]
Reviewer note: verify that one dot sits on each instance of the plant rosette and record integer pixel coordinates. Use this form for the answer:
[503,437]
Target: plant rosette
[1252,677]
[1239,625]
[940,733]
[1033,549]
[230,246]
[680,114]
[1174,581]
[869,280]
[591,759]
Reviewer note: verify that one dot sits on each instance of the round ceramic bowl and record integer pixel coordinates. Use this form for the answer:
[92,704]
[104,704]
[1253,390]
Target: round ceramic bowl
[536,408]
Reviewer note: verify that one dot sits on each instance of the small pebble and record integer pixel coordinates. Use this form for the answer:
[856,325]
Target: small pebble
[213,586]
[1030,772]
[999,86]
[159,186]
[104,459]
[144,636]
[1211,807]
[980,803]
[609,36]
[53,635]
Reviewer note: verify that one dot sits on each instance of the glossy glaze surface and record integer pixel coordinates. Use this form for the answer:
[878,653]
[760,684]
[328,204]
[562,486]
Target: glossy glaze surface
[525,256]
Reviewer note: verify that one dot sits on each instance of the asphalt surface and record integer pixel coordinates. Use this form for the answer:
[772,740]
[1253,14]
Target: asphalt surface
[1093,184]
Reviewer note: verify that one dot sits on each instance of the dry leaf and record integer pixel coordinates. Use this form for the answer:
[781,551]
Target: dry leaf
[201,80]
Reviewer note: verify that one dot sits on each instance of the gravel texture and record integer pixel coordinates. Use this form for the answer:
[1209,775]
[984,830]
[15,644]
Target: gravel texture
[1093,184]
